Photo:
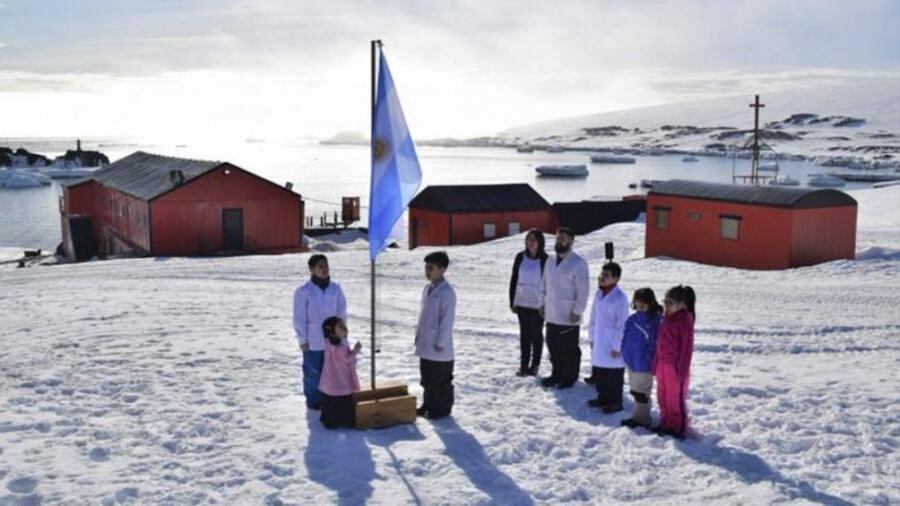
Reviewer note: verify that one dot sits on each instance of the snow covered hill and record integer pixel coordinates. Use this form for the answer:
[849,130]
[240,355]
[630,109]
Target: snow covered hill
[859,118]
[176,381]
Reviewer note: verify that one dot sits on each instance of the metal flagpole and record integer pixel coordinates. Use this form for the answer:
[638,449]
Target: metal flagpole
[375,45]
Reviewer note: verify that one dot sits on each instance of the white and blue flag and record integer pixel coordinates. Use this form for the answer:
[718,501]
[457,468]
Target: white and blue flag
[396,174]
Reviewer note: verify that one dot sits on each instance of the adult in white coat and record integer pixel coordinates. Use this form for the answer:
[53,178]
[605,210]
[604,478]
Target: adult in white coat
[565,287]
[434,339]
[315,301]
[606,329]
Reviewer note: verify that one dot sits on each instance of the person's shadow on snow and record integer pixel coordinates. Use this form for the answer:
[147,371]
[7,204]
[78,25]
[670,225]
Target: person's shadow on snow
[468,454]
[340,460]
[752,469]
[574,402]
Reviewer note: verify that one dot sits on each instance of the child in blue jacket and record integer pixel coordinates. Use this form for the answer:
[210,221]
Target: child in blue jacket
[638,347]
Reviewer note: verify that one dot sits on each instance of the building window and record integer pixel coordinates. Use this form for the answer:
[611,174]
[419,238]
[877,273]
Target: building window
[490,230]
[514,228]
[661,217]
[693,216]
[730,227]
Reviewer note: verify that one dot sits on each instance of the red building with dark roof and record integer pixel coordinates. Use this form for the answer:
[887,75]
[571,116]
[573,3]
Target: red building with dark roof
[751,227]
[468,214]
[147,204]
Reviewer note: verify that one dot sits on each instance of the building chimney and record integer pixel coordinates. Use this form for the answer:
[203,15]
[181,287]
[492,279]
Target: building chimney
[176,177]
[79,145]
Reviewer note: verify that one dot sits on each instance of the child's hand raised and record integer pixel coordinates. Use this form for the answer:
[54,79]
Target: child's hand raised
[358,347]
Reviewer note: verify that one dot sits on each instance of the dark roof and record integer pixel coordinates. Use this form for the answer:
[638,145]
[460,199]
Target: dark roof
[475,198]
[147,176]
[763,195]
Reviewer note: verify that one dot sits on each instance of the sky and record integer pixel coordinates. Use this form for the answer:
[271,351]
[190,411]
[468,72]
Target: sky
[301,69]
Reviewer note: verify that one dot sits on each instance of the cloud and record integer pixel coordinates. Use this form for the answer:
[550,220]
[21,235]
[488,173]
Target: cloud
[463,67]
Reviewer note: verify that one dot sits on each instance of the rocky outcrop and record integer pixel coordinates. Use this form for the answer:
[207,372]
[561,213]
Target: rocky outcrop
[74,158]
[22,158]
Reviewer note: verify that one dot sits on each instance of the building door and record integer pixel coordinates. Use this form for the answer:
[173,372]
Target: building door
[414,233]
[232,229]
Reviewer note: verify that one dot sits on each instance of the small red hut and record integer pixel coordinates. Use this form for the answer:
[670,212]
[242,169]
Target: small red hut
[751,227]
[147,204]
[468,214]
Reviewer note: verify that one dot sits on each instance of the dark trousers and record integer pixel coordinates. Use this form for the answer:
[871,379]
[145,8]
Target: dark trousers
[531,337]
[337,411]
[437,381]
[609,385]
[565,353]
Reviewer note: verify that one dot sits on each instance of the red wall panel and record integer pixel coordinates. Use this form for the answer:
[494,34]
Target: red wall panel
[433,228]
[188,220]
[822,235]
[764,241]
[428,228]
[468,228]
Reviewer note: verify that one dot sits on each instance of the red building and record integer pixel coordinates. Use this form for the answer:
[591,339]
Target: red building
[751,227]
[147,204]
[468,214]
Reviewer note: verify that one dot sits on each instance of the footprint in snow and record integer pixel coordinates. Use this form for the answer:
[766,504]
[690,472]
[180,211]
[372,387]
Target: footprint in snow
[24,485]
[99,454]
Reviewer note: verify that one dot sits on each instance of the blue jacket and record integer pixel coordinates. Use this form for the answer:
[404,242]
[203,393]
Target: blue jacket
[639,341]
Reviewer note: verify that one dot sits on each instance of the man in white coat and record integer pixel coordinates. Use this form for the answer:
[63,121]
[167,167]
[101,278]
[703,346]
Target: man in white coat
[565,287]
[315,301]
[434,339]
[606,329]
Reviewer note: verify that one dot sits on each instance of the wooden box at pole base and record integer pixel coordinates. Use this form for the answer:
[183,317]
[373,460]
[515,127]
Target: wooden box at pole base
[388,404]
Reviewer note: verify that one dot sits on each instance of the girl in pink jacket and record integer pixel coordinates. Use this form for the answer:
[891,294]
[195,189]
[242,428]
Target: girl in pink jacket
[672,361]
[339,380]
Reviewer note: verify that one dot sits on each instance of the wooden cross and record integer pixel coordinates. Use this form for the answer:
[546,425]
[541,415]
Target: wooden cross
[755,162]
[756,105]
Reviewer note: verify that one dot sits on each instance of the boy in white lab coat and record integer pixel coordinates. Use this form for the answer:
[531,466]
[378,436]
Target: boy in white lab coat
[434,339]
[315,301]
[606,329]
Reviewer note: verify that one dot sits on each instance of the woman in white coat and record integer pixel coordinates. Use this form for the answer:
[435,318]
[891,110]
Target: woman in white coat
[606,329]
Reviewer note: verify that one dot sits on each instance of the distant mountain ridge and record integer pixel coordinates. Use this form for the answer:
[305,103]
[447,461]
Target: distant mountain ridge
[859,119]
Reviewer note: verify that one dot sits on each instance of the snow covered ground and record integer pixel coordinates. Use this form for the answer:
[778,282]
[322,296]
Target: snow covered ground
[176,381]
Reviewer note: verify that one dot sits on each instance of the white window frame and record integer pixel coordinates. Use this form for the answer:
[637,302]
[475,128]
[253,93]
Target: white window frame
[489,230]
[659,212]
[727,233]
[516,225]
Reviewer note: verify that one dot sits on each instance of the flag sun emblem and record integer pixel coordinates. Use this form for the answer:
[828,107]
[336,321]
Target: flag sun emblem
[381,148]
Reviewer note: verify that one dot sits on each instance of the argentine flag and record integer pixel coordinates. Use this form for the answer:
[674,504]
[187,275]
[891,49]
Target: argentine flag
[396,174]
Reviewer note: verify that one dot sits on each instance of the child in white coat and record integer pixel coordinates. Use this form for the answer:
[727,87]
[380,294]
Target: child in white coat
[314,302]
[434,339]
[606,329]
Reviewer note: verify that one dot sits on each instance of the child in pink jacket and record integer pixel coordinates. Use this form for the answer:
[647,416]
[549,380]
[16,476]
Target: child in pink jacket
[339,380]
[672,361]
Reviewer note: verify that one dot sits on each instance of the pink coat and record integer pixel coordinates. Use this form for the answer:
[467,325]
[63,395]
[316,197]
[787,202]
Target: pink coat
[675,343]
[339,370]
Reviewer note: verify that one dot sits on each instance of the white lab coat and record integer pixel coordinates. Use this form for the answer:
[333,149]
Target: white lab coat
[607,328]
[565,289]
[312,306]
[435,327]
